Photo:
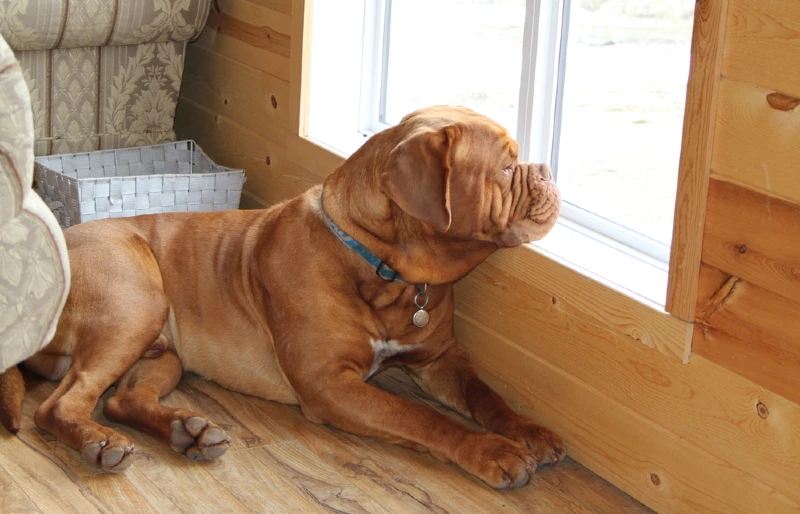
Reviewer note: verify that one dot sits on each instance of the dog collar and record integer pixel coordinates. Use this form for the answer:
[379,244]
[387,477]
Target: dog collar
[421,317]
[381,269]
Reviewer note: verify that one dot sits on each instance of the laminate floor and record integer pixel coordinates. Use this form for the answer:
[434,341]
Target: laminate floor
[277,462]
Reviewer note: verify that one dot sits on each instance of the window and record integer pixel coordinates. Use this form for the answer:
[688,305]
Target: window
[594,87]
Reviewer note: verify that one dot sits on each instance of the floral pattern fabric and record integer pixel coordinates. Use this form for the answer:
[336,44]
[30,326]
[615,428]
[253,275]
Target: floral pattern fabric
[110,76]
[34,269]
[51,24]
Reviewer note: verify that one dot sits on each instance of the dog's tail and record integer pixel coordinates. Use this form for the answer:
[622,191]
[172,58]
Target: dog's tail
[12,393]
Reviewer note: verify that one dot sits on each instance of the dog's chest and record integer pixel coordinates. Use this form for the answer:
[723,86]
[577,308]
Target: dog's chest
[383,350]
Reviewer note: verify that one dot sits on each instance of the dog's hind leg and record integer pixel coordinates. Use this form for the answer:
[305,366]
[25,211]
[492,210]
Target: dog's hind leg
[106,352]
[136,404]
[106,327]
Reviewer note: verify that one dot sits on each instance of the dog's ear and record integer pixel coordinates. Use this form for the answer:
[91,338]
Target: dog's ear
[417,176]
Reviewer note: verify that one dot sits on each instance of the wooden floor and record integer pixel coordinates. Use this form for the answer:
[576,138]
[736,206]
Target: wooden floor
[278,462]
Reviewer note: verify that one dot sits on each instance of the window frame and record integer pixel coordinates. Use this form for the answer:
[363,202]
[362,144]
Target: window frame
[545,33]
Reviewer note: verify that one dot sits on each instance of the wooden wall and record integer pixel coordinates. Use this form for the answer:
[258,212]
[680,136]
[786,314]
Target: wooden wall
[748,304]
[719,434]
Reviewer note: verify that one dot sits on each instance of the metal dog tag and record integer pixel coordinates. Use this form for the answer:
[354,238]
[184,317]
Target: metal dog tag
[421,317]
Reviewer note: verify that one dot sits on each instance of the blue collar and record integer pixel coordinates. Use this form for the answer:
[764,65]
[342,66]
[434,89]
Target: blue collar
[381,269]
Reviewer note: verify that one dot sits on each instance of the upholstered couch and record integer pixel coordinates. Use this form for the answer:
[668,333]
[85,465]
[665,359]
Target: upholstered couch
[34,270]
[101,73]
[75,76]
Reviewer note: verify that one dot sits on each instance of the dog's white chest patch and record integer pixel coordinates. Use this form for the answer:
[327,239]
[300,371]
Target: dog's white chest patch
[383,350]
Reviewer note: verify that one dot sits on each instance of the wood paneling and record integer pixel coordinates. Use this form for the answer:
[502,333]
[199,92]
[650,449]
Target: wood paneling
[757,142]
[754,237]
[760,362]
[695,162]
[649,462]
[715,412]
[253,98]
[238,29]
[637,322]
[749,330]
[763,44]
[748,312]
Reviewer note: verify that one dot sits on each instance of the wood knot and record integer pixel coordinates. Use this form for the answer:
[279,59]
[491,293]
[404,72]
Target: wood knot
[762,410]
[225,101]
[554,300]
[274,102]
[655,479]
[782,102]
[269,161]
[742,249]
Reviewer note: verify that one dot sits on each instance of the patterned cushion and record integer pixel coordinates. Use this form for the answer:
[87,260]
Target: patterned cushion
[98,98]
[34,267]
[50,24]
[102,74]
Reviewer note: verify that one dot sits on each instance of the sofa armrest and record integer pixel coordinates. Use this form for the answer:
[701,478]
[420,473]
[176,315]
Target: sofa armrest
[34,264]
[48,24]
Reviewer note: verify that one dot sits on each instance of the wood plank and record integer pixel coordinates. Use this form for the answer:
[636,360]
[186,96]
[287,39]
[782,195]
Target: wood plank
[245,95]
[270,175]
[748,312]
[762,45]
[131,492]
[312,155]
[187,484]
[316,479]
[299,67]
[12,498]
[402,480]
[258,487]
[660,468]
[595,494]
[770,367]
[754,237]
[239,30]
[756,143]
[281,6]
[695,161]
[715,412]
[253,24]
[41,476]
[641,322]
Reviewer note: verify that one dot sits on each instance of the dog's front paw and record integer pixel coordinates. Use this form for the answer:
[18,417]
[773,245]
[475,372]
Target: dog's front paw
[543,444]
[498,461]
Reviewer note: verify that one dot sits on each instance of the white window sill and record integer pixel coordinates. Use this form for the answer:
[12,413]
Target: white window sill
[606,261]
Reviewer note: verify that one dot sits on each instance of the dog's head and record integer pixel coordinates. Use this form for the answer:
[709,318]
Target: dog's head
[457,171]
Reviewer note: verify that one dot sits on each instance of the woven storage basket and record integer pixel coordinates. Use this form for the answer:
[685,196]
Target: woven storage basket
[169,177]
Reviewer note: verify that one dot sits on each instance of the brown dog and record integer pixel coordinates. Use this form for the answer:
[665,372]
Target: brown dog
[272,303]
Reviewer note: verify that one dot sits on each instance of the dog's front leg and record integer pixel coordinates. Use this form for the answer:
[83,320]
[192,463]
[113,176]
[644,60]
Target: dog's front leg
[348,403]
[452,380]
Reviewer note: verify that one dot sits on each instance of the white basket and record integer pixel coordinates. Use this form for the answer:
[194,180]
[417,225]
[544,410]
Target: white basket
[170,177]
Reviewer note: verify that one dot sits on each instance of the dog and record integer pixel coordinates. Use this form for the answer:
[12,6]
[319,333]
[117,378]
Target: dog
[303,302]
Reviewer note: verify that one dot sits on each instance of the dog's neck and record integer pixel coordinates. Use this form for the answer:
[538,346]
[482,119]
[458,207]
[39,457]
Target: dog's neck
[412,248]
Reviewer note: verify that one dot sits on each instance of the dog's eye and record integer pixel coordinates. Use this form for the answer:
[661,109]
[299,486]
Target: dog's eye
[508,170]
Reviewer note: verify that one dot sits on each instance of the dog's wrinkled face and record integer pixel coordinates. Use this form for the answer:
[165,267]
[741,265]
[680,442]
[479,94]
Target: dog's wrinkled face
[458,171]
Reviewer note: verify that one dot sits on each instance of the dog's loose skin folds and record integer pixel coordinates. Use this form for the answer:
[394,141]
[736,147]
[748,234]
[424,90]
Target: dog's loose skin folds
[272,304]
